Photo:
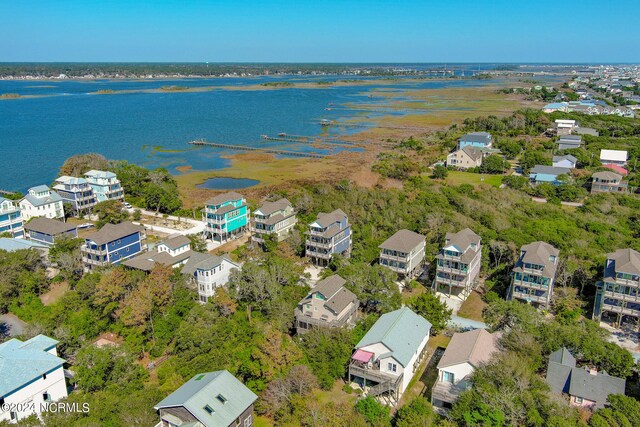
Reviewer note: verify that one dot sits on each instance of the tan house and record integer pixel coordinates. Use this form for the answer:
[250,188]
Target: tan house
[465,158]
[276,218]
[458,264]
[328,305]
[403,253]
[608,182]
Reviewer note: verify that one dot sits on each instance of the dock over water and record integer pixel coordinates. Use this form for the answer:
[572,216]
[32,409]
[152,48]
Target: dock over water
[261,150]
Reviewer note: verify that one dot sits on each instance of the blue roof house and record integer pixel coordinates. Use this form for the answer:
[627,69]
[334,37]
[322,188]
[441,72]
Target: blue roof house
[476,139]
[550,174]
[30,371]
[389,354]
[212,399]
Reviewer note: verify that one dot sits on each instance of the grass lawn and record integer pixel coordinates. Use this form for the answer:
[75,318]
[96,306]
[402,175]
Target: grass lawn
[458,177]
[262,421]
[56,291]
[472,307]
[407,295]
[336,395]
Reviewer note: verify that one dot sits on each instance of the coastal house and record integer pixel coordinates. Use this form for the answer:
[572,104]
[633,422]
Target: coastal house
[46,231]
[11,221]
[172,252]
[328,305]
[564,127]
[458,264]
[613,157]
[608,182]
[112,244]
[567,161]
[403,253]
[475,139]
[586,387]
[211,399]
[77,192]
[329,234]
[539,174]
[387,357]
[465,353]
[619,291]
[466,157]
[555,106]
[31,377]
[226,216]
[41,201]
[208,272]
[277,218]
[105,185]
[534,273]
[569,142]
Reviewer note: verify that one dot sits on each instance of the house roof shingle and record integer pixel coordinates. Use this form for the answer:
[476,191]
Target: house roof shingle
[225,197]
[49,226]
[403,241]
[269,208]
[474,347]
[111,232]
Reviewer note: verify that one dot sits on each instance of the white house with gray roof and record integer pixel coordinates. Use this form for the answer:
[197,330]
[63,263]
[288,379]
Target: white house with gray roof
[41,201]
[403,253]
[586,387]
[105,184]
[458,264]
[11,220]
[208,272]
[387,357]
[566,161]
[277,218]
[618,294]
[533,276]
[329,234]
[329,305]
[211,399]
[31,376]
[465,353]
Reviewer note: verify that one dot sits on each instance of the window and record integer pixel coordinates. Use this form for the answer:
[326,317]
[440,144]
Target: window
[46,396]
[237,421]
[578,400]
[447,377]
[392,367]
[209,409]
[248,421]
[118,241]
[127,249]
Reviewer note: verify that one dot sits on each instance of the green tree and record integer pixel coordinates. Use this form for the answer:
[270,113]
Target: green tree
[110,212]
[439,172]
[375,286]
[327,351]
[429,306]
[494,164]
[376,414]
[418,413]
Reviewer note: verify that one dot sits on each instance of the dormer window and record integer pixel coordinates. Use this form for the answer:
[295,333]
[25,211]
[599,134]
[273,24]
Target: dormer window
[221,398]
[209,409]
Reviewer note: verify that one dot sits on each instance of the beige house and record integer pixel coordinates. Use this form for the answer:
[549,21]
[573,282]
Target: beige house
[458,264]
[465,158]
[608,182]
[329,304]
[403,253]
[276,218]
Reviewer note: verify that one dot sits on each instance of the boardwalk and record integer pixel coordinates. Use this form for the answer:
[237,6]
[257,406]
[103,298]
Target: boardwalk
[262,150]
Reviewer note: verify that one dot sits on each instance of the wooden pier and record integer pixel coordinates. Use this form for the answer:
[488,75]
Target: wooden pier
[283,137]
[262,150]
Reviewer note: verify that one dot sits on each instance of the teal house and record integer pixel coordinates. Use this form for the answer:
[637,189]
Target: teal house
[211,399]
[225,216]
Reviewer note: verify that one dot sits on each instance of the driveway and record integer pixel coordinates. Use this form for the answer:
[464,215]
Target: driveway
[11,325]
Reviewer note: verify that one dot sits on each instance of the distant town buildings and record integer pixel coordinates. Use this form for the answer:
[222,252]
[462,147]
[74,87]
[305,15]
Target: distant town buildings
[277,218]
[466,158]
[41,201]
[549,174]
[403,253]
[569,142]
[458,264]
[329,234]
[533,276]
[31,376]
[567,161]
[226,216]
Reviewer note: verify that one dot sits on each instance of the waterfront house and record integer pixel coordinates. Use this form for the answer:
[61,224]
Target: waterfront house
[458,264]
[11,218]
[466,157]
[226,216]
[533,275]
[329,234]
[328,305]
[208,272]
[112,244]
[31,377]
[567,161]
[277,218]
[403,253]
[465,353]
[549,174]
[77,192]
[387,357]
[46,231]
[564,127]
[211,399]
[608,182]
[172,252]
[619,291]
[569,142]
[586,387]
[41,201]
[613,157]
[105,185]
[476,139]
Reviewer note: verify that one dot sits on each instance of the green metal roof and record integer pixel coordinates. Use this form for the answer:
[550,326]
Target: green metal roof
[203,390]
[401,331]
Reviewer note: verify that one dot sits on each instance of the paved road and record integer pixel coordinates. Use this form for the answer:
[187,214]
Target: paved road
[11,325]
[198,226]
[541,200]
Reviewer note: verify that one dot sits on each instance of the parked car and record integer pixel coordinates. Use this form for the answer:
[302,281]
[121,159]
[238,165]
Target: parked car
[127,205]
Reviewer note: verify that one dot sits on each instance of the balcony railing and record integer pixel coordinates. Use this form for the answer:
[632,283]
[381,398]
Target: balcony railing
[621,310]
[373,373]
[531,285]
[542,299]
[88,250]
[627,282]
[304,317]
[396,258]
[622,297]
[451,281]
[316,254]
[457,270]
[446,392]
[311,243]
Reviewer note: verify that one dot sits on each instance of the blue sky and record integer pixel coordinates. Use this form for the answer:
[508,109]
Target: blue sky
[320,30]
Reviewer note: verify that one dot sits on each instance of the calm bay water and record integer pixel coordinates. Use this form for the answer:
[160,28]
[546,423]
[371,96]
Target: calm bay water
[152,129]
